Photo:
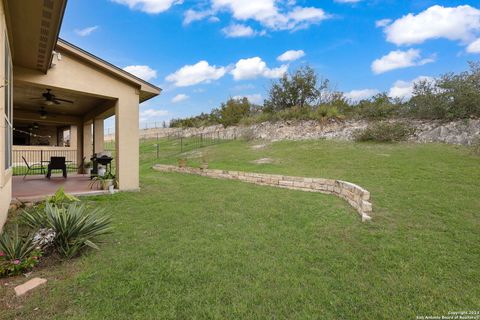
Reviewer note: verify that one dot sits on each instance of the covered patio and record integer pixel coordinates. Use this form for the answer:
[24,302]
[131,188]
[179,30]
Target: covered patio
[62,114]
[35,188]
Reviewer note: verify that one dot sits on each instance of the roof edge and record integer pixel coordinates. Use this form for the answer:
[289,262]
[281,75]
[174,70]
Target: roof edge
[146,86]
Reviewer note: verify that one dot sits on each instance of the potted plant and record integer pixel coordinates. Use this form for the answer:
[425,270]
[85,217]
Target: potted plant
[87,167]
[105,182]
[182,163]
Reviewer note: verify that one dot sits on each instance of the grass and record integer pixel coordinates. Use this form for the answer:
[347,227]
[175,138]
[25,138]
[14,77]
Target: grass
[189,247]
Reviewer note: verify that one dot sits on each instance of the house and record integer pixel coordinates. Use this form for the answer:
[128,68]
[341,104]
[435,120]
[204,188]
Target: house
[55,96]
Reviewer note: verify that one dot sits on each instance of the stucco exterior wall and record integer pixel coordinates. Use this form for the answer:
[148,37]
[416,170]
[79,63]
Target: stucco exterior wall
[5,175]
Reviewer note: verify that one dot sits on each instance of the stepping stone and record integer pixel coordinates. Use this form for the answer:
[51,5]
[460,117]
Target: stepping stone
[29,285]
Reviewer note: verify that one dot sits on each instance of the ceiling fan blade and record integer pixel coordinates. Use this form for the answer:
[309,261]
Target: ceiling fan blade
[63,100]
[56,101]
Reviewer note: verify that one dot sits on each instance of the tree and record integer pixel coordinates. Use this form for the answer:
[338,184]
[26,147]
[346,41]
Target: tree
[452,96]
[233,111]
[295,90]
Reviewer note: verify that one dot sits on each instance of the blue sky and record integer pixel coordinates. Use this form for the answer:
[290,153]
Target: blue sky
[203,52]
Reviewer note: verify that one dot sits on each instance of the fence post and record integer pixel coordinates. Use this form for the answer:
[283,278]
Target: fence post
[158,151]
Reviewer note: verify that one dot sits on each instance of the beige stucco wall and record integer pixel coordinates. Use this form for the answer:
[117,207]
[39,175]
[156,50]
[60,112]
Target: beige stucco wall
[5,176]
[72,73]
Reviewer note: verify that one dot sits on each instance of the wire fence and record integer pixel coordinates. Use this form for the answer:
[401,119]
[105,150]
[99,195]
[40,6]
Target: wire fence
[200,140]
[142,126]
[156,147]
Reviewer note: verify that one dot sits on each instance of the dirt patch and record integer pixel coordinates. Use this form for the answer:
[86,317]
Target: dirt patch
[258,146]
[192,154]
[263,161]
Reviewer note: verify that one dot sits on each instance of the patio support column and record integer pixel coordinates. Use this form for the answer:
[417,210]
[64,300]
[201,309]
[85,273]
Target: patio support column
[73,137]
[127,142]
[76,143]
[98,138]
[87,140]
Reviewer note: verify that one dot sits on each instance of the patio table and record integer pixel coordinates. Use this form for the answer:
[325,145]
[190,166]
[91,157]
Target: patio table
[48,161]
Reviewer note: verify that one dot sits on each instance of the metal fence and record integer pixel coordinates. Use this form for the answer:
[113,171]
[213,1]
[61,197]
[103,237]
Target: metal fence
[39,159]
[200,140]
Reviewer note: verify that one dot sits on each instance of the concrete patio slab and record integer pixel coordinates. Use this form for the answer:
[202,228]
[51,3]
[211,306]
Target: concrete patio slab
[36,188]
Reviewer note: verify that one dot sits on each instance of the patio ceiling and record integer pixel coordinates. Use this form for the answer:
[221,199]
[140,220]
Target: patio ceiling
[28,102]
[34,28]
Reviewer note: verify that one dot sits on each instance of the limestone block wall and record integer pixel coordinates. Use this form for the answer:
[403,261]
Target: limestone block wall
[355,195]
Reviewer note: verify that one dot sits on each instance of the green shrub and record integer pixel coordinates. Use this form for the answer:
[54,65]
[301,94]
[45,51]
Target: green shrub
[259,117]
[75,226]
[380,106]
[17,254]
[384,132]
[61,198]
[325,112]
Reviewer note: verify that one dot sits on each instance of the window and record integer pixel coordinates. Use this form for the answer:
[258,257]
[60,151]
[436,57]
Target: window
[8,87]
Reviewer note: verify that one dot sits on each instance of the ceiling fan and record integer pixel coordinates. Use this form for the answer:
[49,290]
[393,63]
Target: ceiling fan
[49,98]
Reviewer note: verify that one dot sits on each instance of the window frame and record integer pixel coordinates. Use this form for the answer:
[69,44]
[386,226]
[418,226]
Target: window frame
[8,101]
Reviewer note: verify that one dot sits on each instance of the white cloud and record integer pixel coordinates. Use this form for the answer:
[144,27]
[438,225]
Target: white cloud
[179,98]
[192,16]
[143,72]
[404,89]
[399,59]
[474,47]
[253,98]
[268,13]
[213,19]
[383,23]
[291,55]
[240,30]
[85,31]
[152,114]
[200,72]
[149,6]
[255,67]
[454,23]
[357,95]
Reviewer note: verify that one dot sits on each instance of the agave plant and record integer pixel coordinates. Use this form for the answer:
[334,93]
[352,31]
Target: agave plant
[76,227]
[17,254]
[14,247]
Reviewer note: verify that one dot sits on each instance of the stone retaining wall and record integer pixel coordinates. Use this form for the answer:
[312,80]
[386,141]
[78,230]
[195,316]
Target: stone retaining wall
[356,196]
[456,132]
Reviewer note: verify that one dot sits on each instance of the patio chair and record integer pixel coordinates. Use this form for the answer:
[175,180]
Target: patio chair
[80,168]
[57,163]
[32,168]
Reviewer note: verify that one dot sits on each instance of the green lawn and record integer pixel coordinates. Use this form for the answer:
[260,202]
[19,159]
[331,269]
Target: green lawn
[189,247]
